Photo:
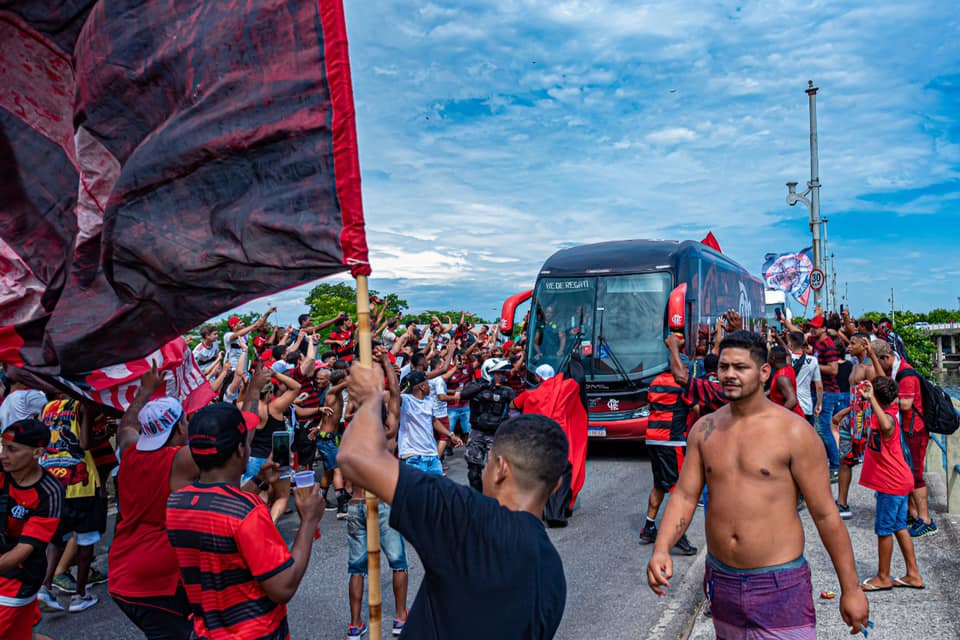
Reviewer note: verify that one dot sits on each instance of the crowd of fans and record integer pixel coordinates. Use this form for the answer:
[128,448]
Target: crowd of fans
[196,549]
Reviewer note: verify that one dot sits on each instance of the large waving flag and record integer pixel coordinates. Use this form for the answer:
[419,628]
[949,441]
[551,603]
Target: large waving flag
[163,161]
[789,272]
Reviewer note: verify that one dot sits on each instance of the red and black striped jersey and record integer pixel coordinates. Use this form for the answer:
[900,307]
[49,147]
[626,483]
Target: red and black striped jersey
[30,515]
[704,393]
[226,544]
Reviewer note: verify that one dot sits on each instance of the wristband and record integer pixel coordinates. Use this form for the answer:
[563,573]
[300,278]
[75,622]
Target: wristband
[261,485]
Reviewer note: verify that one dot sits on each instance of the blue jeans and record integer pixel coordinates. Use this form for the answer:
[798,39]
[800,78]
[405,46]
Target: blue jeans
[391,542]
[427,464]
[833,403]
[461,415]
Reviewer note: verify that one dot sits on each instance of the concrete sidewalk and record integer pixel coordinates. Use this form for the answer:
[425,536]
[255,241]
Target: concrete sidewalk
[900,613]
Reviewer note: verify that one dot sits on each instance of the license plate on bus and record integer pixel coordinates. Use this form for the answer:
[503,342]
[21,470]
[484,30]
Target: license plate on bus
[596,432]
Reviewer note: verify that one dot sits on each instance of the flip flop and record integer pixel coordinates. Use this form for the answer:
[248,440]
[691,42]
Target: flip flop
[868,586]
[900,584]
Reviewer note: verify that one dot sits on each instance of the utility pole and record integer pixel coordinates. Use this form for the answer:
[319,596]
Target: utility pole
[813,190]
[893,316]
[814,184]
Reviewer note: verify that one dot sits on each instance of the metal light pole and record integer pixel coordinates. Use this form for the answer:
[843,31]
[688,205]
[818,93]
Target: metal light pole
[813,189]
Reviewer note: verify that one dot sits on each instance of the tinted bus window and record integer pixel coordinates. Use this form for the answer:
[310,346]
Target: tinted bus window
[563,308]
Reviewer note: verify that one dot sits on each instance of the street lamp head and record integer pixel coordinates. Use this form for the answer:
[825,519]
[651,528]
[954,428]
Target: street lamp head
[792,197]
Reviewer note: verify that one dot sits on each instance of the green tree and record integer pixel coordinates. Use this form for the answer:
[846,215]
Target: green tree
[943,316]
[426,316]
[327,299]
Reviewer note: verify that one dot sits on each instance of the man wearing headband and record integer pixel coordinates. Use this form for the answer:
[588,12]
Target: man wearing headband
[30,503]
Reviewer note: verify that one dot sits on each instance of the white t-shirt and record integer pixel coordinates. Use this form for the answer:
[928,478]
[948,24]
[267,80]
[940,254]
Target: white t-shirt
[809,372]
[233,347]
[416,427]
[388,337]
[438,387]
[204,355]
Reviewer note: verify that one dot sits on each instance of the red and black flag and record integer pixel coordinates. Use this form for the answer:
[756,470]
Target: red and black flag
[163,161]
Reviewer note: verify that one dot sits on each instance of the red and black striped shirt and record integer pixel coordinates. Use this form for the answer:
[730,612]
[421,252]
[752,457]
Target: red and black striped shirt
[30,515]
[226,545]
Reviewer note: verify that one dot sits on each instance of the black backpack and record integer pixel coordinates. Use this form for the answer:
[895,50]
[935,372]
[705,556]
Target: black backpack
[938,415]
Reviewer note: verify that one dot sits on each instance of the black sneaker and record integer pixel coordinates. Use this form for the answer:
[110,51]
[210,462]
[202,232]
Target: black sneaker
[648,535]
[844,510]
[342,504]
[684,548]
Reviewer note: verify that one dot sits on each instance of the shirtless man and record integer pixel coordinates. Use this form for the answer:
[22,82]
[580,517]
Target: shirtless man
[756,459]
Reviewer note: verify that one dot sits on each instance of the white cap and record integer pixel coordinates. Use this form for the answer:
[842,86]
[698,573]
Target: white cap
[545,372]
[157,419]
[21,404]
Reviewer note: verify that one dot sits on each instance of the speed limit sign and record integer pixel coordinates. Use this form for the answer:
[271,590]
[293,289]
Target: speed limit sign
[816,279]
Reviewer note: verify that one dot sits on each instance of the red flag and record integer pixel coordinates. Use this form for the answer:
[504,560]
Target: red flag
[160,171]
[115,386]
[559,398]
[711,241]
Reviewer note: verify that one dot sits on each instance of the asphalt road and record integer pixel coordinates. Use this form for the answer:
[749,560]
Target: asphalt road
[607,596]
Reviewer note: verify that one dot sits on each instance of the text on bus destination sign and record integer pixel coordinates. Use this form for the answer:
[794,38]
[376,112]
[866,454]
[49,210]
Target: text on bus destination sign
[566,285]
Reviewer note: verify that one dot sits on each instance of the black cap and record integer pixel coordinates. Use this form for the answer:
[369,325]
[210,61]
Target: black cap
[29,431]
[414,378]
[218,428]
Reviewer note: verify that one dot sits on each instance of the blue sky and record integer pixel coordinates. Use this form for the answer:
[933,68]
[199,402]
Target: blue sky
[493,133]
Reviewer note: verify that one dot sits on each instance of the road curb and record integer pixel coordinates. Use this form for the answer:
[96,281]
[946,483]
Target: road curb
[685,602]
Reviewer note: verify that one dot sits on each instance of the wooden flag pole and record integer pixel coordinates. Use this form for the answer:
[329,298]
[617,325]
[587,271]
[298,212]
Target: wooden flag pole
[374,599]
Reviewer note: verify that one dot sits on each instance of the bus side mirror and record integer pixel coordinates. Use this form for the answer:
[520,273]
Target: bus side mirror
[676,309]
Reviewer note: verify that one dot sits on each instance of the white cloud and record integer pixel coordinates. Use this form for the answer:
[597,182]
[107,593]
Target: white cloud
[672,135]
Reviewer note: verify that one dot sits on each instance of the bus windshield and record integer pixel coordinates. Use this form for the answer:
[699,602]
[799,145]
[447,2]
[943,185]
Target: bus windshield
[611,320]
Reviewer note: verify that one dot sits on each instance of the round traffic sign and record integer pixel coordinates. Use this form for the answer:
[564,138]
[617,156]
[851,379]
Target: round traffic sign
[817,279]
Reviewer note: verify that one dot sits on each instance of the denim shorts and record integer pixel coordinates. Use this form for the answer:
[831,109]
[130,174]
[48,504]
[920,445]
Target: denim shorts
[427,464]
[891,514]
[253,468]
[391,542]
[327,450]
[459,415]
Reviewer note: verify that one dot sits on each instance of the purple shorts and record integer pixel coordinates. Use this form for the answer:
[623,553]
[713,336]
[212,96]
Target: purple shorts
[770,603]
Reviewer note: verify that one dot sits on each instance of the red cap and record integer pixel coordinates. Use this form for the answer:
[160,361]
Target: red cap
[233,322]
[258,343]
[816,322]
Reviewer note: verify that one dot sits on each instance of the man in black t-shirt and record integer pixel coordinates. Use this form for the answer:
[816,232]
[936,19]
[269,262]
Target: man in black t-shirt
[489,549]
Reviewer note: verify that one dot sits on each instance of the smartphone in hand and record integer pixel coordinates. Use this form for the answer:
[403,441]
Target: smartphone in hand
[281,451]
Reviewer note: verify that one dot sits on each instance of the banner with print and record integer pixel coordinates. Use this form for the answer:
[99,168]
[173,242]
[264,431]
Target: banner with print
[164,161]
[789,272]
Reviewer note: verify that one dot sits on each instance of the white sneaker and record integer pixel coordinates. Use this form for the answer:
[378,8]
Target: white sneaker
[82,602]
[48,602]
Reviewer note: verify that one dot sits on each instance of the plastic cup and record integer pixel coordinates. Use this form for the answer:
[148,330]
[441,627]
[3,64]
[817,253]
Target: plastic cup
[304,481]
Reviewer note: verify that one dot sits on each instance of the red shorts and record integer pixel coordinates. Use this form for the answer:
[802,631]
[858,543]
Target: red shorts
[17,623]
[445,421]
[918,455]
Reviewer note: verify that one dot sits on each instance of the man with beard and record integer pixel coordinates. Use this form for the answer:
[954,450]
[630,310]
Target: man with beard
[757,458]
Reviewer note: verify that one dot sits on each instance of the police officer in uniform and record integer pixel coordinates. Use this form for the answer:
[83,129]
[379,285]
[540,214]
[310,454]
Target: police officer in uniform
[489,401]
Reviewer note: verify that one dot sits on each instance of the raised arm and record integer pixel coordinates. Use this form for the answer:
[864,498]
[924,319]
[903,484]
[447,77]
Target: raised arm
[445,365]
[364,458]
[309,364]
[680,372]
[129,430]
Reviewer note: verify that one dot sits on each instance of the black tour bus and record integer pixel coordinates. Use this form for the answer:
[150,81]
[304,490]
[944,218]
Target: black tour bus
[613,303]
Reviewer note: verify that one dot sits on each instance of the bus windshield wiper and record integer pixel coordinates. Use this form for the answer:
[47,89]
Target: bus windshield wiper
[601,343]
[574,345]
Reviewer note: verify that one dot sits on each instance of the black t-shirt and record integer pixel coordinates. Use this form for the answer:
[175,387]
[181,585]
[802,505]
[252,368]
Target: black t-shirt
[475,551]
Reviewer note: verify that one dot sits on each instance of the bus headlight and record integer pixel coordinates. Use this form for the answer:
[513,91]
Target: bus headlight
[642,412]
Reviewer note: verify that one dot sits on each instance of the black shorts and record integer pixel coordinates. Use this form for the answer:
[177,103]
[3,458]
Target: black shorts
[159,617]
[666,462]
[83,515]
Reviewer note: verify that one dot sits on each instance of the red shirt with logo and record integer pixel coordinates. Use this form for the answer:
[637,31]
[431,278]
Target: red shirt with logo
[345,348]
[909,388]
[885,467]
[32,517]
